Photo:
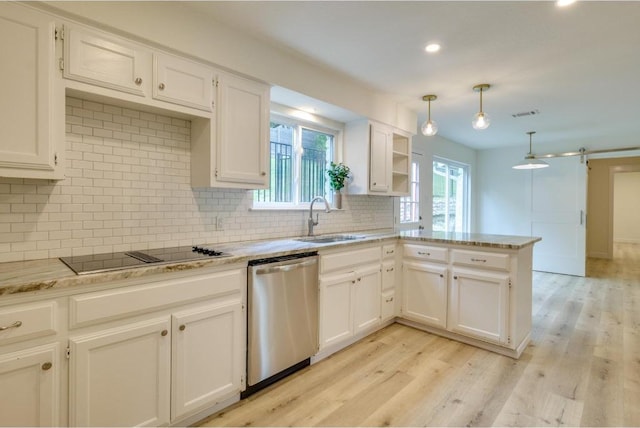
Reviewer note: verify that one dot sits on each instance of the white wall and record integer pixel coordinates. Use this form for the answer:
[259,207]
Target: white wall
[626,207]
[441,147]
[504,194]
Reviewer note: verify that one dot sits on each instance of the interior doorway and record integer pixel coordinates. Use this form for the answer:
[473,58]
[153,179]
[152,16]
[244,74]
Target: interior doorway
[625,207]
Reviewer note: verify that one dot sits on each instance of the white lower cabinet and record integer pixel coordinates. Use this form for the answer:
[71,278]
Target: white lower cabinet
[350,290]
[479,304]
[425,293]
[29,387]
[120,376]
[479,296]
[157,353]
[207,350]
[366,298]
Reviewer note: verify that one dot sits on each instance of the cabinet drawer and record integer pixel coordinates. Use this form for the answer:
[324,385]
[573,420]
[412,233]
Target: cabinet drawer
[345,259]
[126,301]
[423,252]
[388,251]
[27,321]
[388,305]
[480,259]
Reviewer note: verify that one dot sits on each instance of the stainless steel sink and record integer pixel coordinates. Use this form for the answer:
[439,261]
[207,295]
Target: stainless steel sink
[329,238]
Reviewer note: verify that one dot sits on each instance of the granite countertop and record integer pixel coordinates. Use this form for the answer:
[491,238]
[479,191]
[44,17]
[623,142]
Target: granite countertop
[35,275]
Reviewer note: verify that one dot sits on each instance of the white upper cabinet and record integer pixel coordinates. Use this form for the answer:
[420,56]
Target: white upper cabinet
[387,152]
[180,81]
[31,121]
[243,131]
[233,150]
[108,61]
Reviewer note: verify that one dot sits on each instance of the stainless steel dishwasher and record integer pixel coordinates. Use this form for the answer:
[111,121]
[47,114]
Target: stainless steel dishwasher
[282,317]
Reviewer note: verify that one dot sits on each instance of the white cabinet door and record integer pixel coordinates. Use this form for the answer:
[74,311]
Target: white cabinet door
[29,387]
[380,161]
[28,109]
[425,293]
[208,346]
[479,304]
[183,82]
[336,322]
[366,298]
[107,61]
[120,376]
[242,135]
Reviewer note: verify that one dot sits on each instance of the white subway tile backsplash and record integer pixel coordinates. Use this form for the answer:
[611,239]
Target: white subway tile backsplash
[127,188]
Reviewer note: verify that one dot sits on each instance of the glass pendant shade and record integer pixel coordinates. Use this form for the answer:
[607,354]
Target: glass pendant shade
[481,120]
[429,128]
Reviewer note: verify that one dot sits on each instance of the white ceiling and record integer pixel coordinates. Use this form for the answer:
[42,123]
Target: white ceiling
[579,66]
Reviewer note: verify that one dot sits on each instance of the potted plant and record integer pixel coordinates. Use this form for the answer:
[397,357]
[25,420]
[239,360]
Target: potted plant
[338,173]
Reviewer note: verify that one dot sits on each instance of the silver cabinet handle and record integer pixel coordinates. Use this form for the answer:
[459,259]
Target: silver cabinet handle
[138,81]
[14,325]
[479,260]
[161,86]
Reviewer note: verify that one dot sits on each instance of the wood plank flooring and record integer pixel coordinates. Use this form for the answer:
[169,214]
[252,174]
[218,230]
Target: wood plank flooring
[582,368]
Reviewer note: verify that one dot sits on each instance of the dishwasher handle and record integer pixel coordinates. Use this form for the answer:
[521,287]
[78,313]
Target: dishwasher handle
[284,268]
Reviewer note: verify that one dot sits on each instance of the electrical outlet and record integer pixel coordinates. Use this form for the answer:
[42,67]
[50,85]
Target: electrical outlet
[219,223]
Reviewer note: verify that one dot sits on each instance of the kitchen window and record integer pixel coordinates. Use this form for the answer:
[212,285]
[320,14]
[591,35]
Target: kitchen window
[450,196]
[410,205]
[299,157]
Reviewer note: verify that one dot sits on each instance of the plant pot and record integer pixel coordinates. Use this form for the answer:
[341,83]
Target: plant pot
[337,200]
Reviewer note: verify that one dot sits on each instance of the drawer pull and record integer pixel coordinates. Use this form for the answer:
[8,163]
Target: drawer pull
[164,333]
[422,253]
[14,325]
[161,86]
[455,277]
[47,366]
[441,276]
[390,251]
[182,327]
[389,300]
[138,81]
[479,260]
[390,270]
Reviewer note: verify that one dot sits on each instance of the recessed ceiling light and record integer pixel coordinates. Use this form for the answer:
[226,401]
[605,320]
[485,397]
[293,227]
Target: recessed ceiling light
[563,3]
[432,47]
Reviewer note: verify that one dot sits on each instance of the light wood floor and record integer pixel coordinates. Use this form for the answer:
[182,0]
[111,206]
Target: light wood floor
[582,368]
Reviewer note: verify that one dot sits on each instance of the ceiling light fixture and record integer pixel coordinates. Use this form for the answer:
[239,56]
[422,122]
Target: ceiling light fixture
[563,3]
[481,119]
[530,162]
[432,47]
[429,127]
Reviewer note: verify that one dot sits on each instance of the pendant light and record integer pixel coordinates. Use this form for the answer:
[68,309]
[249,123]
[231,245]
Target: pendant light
[429,127]
[530,162]
[481,119]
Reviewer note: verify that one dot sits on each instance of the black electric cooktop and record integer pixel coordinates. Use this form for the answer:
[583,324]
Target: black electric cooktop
[124,260]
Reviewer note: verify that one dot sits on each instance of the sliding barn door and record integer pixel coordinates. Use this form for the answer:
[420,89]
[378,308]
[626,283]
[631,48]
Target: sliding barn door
[558,215]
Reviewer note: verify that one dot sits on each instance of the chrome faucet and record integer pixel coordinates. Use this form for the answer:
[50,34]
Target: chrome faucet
[312,223]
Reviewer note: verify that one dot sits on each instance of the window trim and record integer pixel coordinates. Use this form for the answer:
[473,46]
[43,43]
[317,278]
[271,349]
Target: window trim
[300,119]
[467,194]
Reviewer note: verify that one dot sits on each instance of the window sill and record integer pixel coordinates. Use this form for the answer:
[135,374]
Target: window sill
[316,208]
